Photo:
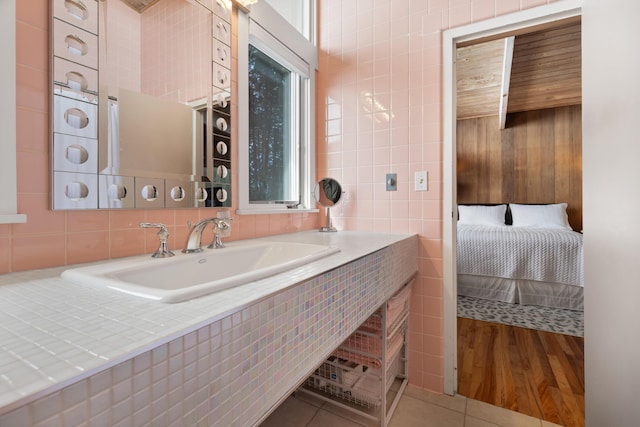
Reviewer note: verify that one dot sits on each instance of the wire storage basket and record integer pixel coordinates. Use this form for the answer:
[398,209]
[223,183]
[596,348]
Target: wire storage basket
[362,371]
[356,383]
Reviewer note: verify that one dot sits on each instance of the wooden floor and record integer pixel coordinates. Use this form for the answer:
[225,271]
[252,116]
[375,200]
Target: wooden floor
[532,372]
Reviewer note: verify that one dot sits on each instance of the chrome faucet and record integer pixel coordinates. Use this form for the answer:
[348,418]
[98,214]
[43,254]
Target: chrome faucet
[194,239]
[220,226]
[163,250]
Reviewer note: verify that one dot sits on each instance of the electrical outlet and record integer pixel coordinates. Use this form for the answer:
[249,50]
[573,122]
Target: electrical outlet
[421,181]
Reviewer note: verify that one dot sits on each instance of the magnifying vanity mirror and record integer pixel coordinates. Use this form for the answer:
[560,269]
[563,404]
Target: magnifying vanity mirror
[141,97]
[327,193]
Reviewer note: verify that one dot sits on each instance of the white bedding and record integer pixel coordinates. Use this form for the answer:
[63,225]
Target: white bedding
[532,254]
[521,291]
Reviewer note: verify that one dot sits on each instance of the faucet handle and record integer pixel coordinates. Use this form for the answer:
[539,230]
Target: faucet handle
[159,225]
[220,225]
[163,250]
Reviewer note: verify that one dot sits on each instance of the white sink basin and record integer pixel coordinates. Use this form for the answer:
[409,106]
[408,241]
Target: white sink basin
[187,276]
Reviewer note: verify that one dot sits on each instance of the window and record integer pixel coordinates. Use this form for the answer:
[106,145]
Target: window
[276,114]
[273,146]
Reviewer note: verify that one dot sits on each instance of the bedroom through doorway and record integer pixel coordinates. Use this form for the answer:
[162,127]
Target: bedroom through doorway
[519,176]
[518,140]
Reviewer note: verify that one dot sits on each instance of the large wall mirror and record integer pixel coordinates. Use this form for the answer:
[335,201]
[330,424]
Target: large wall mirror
[141,104]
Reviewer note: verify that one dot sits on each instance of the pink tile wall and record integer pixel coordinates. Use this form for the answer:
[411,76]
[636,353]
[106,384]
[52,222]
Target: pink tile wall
[380,111]
[55,238]
[120,64]
[176,45]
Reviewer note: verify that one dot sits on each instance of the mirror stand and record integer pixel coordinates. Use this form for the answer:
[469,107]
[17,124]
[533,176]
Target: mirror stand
[328,227]
[327,193]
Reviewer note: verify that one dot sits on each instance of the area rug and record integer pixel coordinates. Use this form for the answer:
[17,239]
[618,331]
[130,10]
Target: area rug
[558,320]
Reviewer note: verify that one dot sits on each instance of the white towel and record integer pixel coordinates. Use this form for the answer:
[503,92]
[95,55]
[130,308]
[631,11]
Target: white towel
[74,154]
[74,118]
[113,146]
[76,191]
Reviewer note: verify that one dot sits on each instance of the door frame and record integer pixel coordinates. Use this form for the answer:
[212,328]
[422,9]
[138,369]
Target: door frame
[450,38]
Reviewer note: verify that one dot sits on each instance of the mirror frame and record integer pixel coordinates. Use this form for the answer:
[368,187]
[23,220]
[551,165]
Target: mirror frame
[76,181]
[318,193]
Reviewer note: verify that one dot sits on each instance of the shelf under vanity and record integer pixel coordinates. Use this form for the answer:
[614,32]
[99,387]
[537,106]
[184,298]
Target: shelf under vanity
[368,372]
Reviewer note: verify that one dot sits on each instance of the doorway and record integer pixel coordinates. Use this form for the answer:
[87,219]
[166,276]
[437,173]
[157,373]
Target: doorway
[514,23]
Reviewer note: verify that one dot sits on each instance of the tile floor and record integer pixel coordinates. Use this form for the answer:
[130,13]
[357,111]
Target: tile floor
[417,408]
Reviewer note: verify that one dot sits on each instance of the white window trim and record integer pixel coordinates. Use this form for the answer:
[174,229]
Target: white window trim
[9,200]
[307,9]
[279,29]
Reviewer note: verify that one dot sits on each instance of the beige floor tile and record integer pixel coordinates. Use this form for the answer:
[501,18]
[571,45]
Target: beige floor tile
[417,408]
[458,403]
[308,398]
[500,416]
[412,412]
[291,413]
[349,415]
[327,419]
[477,422]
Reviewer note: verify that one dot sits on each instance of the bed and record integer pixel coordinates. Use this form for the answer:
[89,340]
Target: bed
[536,259]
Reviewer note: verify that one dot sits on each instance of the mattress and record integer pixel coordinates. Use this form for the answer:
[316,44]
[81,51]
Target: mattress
[535,254]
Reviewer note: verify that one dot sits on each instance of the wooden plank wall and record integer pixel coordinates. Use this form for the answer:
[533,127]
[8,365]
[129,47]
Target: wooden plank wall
[536,159]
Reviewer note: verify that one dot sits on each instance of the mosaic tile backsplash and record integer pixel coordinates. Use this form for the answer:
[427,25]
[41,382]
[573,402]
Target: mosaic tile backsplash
[233,371]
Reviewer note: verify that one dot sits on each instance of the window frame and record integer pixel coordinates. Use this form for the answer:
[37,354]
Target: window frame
[8,140]
[264,28]
[307,9]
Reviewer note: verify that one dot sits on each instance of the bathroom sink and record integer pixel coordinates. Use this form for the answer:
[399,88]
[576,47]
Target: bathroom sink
[188,276]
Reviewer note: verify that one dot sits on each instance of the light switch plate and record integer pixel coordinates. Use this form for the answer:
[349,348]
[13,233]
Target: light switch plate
[421,181]
[392,182]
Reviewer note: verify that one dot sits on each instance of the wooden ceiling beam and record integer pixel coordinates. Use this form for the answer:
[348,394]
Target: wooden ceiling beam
[507,60]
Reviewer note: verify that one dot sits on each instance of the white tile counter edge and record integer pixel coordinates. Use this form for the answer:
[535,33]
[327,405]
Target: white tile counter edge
[54,333]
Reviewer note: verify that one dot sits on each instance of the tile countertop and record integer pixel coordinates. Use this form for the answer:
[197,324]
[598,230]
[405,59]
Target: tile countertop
[54,333]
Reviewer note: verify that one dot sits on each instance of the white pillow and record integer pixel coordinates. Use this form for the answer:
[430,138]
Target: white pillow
[482,215]
[540,216]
